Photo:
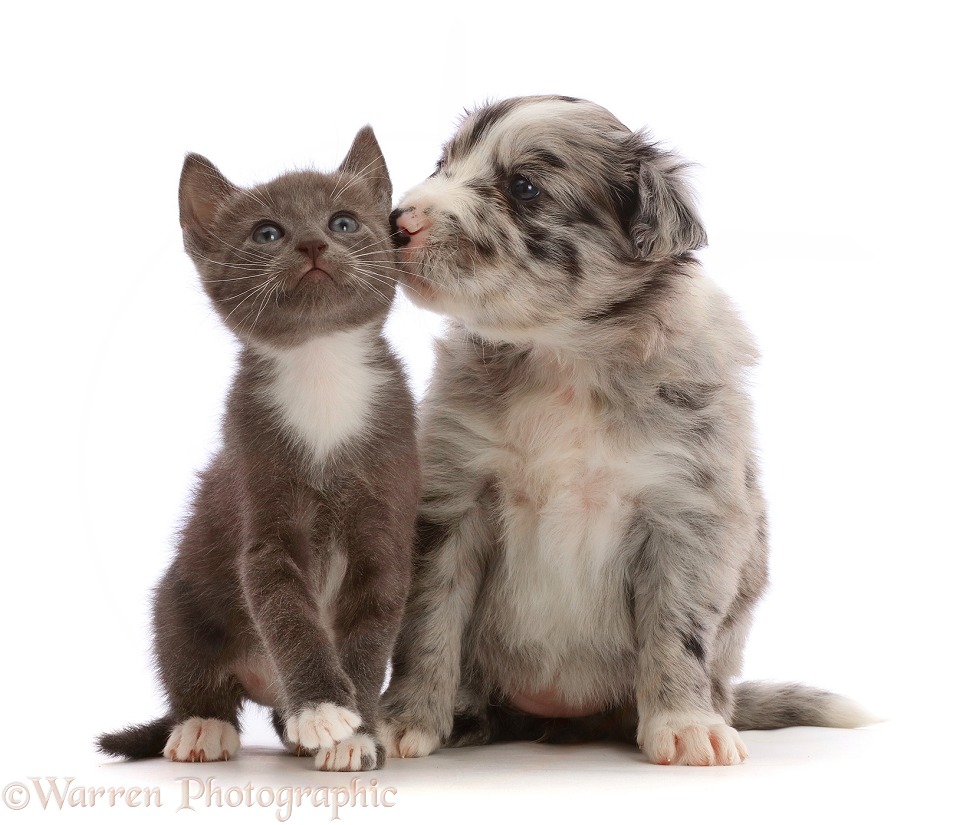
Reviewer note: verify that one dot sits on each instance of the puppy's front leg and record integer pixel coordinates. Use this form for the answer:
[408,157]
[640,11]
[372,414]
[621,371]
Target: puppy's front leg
[418,705]
[679,581]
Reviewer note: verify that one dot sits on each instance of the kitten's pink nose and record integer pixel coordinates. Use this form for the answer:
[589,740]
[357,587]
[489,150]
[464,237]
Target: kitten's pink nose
[413,224]
[313,249]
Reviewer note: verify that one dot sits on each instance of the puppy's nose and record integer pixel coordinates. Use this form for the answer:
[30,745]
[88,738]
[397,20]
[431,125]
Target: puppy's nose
[410,226]
[313,249]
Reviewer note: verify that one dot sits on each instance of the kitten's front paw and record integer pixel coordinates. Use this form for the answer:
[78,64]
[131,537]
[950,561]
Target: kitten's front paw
[692,742]
[202,740]
[356,753]
[321,726]
[407,740]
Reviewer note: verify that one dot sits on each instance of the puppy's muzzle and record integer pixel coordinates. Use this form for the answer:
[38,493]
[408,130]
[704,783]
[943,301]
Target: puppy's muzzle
[410,226]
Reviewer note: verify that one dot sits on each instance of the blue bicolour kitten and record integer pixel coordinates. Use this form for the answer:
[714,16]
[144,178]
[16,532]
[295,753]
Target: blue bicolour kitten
[290,577]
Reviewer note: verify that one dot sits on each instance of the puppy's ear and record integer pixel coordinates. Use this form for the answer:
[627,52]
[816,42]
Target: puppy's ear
[202,191]
[661,214]
[366,161]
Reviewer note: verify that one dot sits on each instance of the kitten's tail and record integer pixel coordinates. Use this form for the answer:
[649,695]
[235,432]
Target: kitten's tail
[767,705]
[137,741]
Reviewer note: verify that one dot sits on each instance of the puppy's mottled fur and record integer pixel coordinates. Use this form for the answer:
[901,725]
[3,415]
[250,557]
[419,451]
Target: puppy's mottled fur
[592,538]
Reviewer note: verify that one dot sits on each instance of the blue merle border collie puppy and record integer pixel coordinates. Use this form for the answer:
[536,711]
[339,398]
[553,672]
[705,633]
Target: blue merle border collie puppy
[592,539]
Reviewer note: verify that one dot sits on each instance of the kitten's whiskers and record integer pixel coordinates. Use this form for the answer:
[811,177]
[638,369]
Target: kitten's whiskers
[370,286]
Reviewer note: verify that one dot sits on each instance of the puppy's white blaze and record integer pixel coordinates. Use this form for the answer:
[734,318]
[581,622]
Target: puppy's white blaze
[454,189]
[518,130]
[435,193]
[324,388]
[454,192]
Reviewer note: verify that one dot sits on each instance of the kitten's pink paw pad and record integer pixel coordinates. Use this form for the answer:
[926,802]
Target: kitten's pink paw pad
[322,726]
[356,753]
[407,741]
[694,744]
[202,740]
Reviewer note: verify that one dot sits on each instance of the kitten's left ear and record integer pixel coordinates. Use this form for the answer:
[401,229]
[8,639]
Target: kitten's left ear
[202,190]
[366,161]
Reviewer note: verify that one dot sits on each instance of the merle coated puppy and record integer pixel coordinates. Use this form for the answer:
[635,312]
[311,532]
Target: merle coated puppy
[592,539]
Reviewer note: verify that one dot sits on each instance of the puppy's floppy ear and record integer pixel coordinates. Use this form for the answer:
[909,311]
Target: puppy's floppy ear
[662,218]
[366,161]
[202,191]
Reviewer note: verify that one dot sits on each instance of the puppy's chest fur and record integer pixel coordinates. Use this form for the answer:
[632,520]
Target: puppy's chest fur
[568,490]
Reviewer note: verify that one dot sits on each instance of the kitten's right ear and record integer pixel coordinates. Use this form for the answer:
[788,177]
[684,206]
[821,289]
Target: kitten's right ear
[202,190]
[366,161]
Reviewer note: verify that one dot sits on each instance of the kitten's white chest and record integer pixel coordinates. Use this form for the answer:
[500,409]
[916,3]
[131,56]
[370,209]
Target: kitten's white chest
[324,389]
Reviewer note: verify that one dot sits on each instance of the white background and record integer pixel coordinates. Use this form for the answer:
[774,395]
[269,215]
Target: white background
[821,134]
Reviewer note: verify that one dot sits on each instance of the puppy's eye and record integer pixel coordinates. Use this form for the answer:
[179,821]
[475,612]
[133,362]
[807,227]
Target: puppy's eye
[267,233]
[343,223]
[522,189]
[438,168]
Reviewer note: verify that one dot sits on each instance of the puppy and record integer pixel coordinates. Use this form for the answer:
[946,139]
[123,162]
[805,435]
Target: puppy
[592,538]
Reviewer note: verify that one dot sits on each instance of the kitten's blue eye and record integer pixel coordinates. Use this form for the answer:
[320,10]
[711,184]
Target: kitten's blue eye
[522,189]
[343,223]
[267,233]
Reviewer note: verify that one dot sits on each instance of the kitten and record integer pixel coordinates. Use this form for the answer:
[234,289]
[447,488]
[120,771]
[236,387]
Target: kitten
[592,538]
[291,574]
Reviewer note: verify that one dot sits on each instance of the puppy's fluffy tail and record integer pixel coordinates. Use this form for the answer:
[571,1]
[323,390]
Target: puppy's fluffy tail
[137,741]
[767,705]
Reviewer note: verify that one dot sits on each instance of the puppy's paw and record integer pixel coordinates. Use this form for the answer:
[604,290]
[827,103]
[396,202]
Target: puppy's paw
[407,740]
[689,741]
[356,753]
[321,726]
[202,740]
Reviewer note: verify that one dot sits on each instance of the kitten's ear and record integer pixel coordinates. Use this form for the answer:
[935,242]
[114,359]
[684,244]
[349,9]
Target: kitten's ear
[659,204]
[365,160]
[202,190]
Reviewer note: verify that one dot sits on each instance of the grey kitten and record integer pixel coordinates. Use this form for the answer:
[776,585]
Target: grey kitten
[592,537]
[291,573]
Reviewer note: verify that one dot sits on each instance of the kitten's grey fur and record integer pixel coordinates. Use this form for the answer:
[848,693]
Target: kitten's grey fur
[592,538]
[292,572]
